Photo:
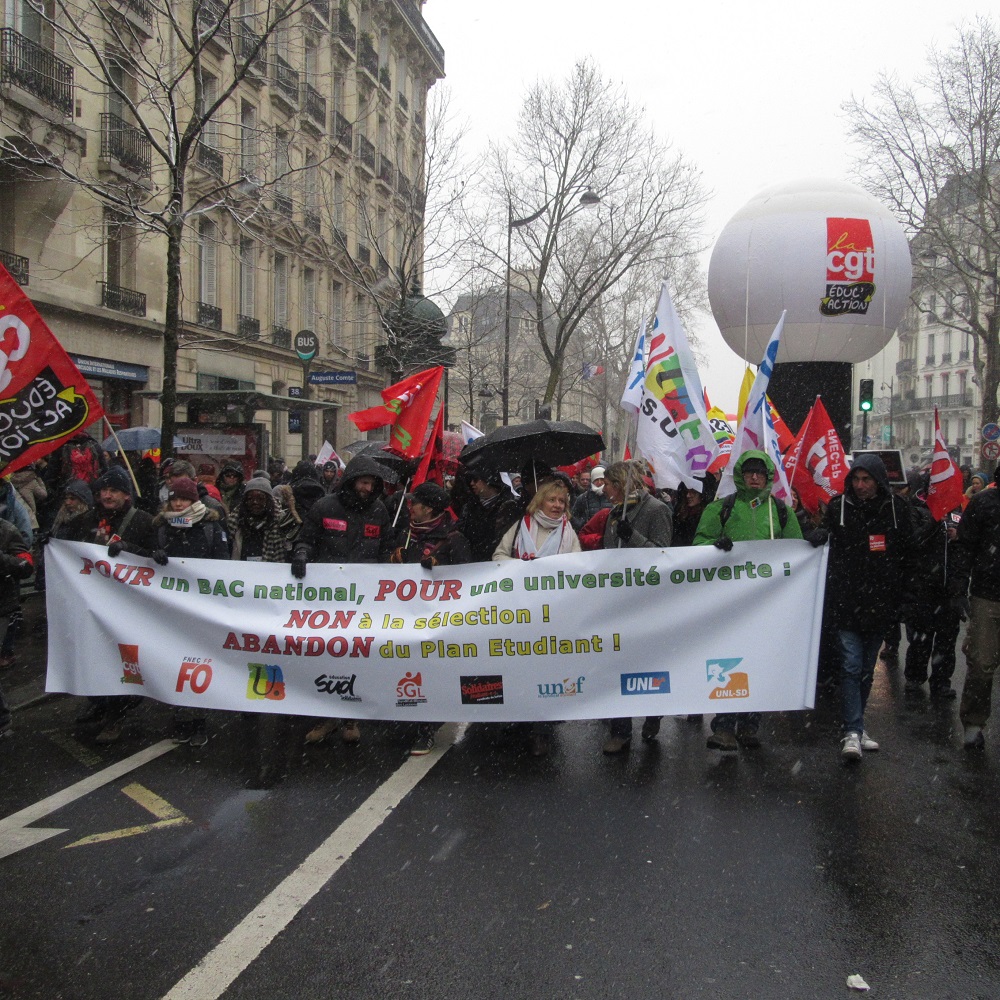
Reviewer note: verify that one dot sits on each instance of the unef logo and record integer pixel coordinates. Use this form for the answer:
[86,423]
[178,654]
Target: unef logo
[565,688]
[850,267]
[196,674]
[266,681]
[729,684]
[131,674]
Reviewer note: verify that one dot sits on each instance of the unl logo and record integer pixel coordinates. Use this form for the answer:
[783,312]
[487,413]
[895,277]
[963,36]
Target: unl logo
[646,683]
[728,683]
[196,675]
[266,681]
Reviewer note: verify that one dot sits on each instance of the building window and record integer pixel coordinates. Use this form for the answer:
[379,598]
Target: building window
[336,314]
[208,239]
[119,250]
[339,204]
[209,95]
[360,325]
[309,298]
[282,169]
[280,290]
[248,277]
[248,140]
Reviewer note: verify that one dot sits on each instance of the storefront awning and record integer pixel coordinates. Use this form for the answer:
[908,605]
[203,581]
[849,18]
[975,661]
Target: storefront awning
[224,399]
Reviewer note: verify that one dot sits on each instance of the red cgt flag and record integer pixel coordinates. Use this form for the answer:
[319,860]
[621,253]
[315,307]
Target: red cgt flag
[407,407]
[815,464]
[429,468]
[944,493]
[44,398]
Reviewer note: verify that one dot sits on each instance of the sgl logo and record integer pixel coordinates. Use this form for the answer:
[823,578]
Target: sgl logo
[565,688]
[131,674]
[409,690]
[195,674]
[266,681]
[648,683]
[728,682]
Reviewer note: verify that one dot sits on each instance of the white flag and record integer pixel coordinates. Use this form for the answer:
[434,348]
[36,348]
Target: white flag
[632,394]
[470,433]
[673,433]
[756,428]
[327,454]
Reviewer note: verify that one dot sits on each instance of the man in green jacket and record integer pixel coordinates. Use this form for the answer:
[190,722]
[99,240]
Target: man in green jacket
[751,515]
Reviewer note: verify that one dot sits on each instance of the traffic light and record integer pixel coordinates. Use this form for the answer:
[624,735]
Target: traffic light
[865,394]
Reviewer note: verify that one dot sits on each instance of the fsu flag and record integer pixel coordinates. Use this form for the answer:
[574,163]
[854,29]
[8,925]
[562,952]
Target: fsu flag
[44,399]
[944,493]
[815,464]
[407,407]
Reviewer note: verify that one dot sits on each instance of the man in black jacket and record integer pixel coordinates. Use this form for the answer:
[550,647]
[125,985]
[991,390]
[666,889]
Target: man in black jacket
[15,565]
[351,525]
[488,514]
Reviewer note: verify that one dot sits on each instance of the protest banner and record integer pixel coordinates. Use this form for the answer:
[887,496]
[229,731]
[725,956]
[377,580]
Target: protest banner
[591,635]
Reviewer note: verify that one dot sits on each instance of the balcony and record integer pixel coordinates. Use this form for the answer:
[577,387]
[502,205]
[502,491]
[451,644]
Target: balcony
[282,204]
[956,400]
[315,105]
[385,78]
[364,362]
[364,255]
[17,267]
[929,360]
[402,102]
[125,144]
[209,159]
[281,336]
[312,222]
[946,359]
[411,14]
[35,70]
[906,367]
[368,57]
[366,153]
[963,355]
[285,78]
[343,131]
[123,299]
[251,47]
[213,18]
[210,316]
[382,267]
[247,328]
[322,9]
[345,32]
[140,9]
[403,185]
[385,171]
[340,236]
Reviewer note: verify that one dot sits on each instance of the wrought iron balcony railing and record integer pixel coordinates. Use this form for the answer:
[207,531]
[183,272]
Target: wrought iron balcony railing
[315,104]
[364,255]
[285,78]
[141,9]
[385,169]
[123,299]
[16,266]
[343,131]
[247,327]
[213,15]
[281,336]
[404,104]
[313,222]
[125,144]
[209,159]
[368,57]
[250,41]
[906,366]
[366,153]
[36,70]
[344,30]
[282,204]
[209,315]
[411,12]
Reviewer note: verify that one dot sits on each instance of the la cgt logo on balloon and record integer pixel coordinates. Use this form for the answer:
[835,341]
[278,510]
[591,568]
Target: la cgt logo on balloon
[850,267]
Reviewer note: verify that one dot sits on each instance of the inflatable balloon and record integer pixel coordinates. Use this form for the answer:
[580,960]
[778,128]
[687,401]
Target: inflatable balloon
[827,252]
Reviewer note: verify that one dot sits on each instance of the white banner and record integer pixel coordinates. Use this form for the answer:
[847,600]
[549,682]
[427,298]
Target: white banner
[628,632]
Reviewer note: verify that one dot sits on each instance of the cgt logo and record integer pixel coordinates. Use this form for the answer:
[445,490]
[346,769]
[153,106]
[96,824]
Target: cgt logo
[409,690]
[266,682]
[649,683]
[850,267]
[131,674]
[196,674]
[728,684]
[565,688]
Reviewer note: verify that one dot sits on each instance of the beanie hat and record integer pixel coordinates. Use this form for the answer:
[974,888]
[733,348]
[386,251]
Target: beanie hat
[181,468]
[79,489]
[183,488]
[432,495]
[116,478]
[304,470]
[259,484]
[597,472]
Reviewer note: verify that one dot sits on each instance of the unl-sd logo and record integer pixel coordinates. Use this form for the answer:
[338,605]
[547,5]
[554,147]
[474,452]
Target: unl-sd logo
[265,681]
[649,683]
[729,683]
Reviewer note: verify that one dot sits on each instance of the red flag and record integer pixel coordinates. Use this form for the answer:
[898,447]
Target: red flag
[407,407]
[786,439]
[944,493]
[815,464]
[628,454]
[44,399]
[430,465]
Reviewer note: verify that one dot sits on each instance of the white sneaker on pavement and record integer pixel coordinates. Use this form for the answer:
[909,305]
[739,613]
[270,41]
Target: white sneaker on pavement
[867,743]
[850,746]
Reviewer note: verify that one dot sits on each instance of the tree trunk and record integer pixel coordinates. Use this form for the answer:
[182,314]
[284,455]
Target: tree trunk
[171,336]
[990,347]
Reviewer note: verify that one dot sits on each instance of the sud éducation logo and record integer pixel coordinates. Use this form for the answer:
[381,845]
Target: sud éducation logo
[266,681]
[657,682]
[339,684]
[410,691]
[566,688]
[729,683]
[131,674]
[486,690]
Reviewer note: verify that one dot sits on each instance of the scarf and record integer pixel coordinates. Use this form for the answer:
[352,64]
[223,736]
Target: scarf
[560,536]
[188,517]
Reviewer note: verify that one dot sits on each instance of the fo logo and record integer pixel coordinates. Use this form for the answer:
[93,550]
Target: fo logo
[266,681]
[729,683]
[197,675]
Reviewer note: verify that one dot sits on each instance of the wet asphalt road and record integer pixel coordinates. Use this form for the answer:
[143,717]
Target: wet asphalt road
[671,871]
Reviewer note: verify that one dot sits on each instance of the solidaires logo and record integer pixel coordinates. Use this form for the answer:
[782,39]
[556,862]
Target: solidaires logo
[729,683]
[486,690]
[655,682]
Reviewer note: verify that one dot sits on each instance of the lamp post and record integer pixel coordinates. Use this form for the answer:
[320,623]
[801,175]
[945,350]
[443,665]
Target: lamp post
[889,387]
[587,199]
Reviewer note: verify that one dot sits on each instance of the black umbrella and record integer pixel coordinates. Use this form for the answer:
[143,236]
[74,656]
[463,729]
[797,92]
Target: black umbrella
[548,442]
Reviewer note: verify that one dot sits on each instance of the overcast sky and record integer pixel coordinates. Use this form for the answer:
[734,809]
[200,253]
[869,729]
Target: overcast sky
[749,91]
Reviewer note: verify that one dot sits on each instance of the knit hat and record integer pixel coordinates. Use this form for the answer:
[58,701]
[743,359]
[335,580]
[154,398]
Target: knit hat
[79,489]
[597,472]
[183,488]
[181,468]
[116,478]
[259,485]
[432,495]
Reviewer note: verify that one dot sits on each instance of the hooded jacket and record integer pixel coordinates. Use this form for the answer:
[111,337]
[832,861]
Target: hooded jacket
[974,556]
[204,540]
[754,517]
[870,543]
[343,528]
[230,494]
[260,539]
[484,523]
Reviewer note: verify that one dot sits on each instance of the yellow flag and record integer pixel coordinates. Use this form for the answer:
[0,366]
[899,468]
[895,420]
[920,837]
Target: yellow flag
[748,377]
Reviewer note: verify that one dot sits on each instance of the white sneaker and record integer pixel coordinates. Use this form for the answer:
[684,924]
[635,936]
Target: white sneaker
[867,743]
[850,746]
[973,738]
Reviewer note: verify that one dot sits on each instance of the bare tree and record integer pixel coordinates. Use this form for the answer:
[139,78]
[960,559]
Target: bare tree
[931,151]
[580,142]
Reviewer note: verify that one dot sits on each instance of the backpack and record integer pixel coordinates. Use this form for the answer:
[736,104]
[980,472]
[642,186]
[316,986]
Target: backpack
[730,502]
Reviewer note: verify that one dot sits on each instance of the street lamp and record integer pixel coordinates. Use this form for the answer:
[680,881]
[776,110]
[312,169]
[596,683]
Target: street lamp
[588,199]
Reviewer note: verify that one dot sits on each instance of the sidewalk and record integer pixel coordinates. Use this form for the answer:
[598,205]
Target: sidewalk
[24,682]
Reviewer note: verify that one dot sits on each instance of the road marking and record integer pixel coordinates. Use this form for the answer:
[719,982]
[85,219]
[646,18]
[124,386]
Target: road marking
[164,812]
[14,832]
[216,972]
[74,748]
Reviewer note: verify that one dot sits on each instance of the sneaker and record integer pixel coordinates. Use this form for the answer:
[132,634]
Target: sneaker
[538,745]
[319,732]
[650,729]
[422,746]
[973,738]
[111,733]
[183,732]
[199,733]
[351,733]
[748,736]
[867,743]
[850,746]
[616,744]
[722,740]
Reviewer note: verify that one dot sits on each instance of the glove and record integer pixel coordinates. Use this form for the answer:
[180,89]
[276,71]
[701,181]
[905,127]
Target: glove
[160,557]
[428,562]
[724,542]
[17,568]
[115,548]
[624,530]
[299,566]
[961,605]
[818,537]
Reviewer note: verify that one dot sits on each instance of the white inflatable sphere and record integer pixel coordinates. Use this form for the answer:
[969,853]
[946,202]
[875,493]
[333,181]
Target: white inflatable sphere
[824,250]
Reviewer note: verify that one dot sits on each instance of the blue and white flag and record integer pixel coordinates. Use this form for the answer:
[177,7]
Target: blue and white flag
[470,433]
[632,395]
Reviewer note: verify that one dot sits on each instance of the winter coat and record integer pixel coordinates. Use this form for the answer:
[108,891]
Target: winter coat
[341,528]
[974,556]
[443,545]
[505,547]
[31,491]
[652,523]
[230,494]
[591,535]
[97,526]
[484,523]
[13,509]
[265,539]
[754,515]
[12,551]
[204,540]
[586,506]
[925,580]
[870,543]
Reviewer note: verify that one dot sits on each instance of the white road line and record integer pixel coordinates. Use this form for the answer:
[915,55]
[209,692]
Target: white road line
[216,972]
[14,833]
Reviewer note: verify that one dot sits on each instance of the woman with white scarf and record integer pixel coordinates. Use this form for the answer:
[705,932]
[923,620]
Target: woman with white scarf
[543,531]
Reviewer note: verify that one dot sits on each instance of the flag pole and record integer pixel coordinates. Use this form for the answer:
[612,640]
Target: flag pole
[399,506]
[121,451]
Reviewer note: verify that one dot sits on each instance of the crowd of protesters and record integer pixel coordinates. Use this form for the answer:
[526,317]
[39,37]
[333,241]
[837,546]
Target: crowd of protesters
[891,564]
